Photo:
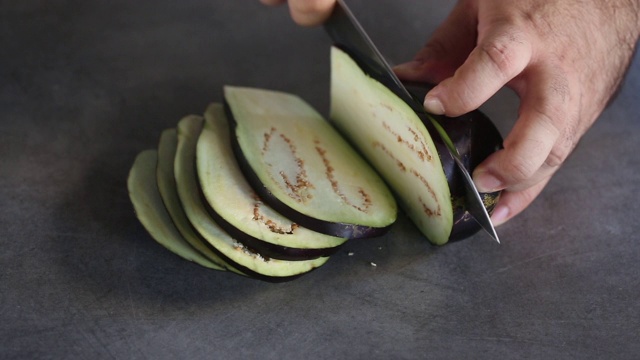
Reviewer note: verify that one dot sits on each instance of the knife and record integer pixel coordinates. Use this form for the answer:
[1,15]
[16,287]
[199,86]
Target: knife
[345,30]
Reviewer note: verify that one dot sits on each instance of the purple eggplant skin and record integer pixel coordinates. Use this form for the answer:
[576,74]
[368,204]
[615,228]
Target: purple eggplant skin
[476,137]
[247,272]
[266,249]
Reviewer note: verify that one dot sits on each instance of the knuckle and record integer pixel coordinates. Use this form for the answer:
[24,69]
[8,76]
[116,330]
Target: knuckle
[562,149]
[557,156]
[518,169]
[561,127]
[464,100]
[460,98]
[498,54]
[505,51]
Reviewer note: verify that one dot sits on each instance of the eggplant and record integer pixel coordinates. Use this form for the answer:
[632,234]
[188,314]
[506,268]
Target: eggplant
[265,187]
[168,191]
[239,210]
[152,214]
[233,252]
[476,137]
[299,164]
[398,144]
[395,141]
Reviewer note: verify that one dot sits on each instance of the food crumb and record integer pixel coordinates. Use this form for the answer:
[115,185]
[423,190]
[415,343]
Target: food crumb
[373,264]
[350,253]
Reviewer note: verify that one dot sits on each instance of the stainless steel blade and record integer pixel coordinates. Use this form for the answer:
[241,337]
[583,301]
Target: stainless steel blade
[474,204]
[476,207]
[345,30]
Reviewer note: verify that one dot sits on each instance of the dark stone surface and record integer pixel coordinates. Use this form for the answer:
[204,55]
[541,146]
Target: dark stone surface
[86,85]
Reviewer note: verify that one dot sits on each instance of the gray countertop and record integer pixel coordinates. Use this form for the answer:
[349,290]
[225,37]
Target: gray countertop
[86,85]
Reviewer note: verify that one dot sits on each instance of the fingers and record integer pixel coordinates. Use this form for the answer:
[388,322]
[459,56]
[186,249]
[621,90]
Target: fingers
[502,54]
[310,12]
[306,12]
[514,202]
[445,51]
[542,138]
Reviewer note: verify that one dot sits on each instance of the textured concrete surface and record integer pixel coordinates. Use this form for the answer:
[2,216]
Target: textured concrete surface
[86,85]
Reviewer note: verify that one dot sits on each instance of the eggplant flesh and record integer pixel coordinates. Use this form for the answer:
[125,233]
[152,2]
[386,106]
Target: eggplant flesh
[236,207]
[299,164]
[389,134]
[168,191]
[395,141]
[476,137]
[229,249]
[151,212]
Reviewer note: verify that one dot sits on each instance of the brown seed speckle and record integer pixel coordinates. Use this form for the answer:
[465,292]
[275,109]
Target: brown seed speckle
[296,189]
[335,186]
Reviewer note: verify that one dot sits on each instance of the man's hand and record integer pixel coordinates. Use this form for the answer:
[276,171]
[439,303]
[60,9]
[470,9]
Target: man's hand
[564,58]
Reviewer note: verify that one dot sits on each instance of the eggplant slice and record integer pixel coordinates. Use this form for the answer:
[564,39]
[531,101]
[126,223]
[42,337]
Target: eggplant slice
[230,250]
[167,147]
[299,164]
[151,212]
[476,137]
[238,209]
[395,141]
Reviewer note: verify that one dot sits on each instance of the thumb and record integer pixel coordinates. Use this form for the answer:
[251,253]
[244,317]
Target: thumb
[447,48]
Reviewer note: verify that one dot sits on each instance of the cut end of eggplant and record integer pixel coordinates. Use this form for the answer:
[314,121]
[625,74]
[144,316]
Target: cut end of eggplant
[299,164]
[475,137]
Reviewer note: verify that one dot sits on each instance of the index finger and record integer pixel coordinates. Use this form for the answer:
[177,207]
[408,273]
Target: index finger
[500,56]
[542,137]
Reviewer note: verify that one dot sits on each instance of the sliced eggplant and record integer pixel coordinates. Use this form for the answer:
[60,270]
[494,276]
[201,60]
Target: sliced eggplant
[476,137]
[395,141]
[231,251]
[168,190]
[238,209]
[150,210]
[300,165]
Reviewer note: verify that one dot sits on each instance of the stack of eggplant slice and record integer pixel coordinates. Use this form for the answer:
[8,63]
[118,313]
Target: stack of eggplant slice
[205,202]
[263,186]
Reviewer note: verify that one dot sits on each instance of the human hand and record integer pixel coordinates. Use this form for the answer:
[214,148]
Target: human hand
[564,59]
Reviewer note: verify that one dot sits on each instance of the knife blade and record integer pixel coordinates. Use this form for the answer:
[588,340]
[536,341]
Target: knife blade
[345,30]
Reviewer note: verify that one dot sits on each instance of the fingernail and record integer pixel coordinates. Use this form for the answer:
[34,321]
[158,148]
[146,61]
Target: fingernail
[408,67]
[485,182]
[500,215]
[433,105]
